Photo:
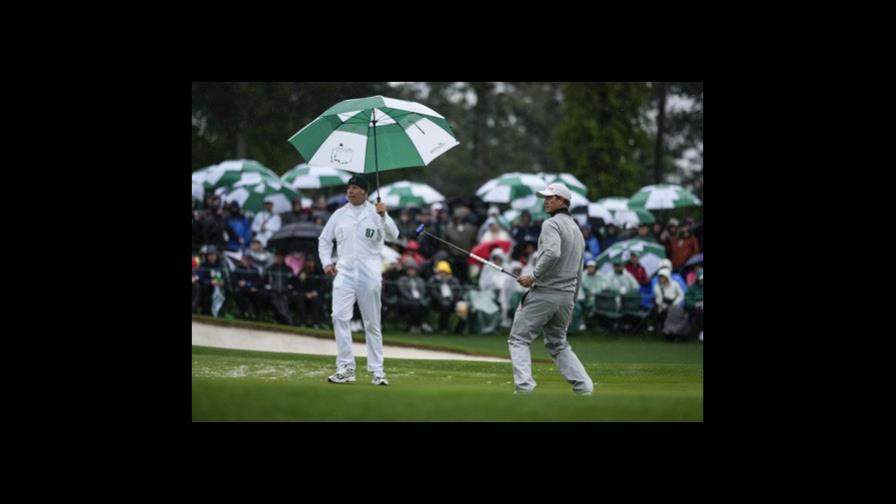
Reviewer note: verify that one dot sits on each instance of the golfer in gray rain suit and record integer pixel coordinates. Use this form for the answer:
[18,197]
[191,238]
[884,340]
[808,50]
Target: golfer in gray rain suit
[548,305]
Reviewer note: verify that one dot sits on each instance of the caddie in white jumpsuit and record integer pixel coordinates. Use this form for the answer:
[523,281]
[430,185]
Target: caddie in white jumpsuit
[548,306]
[359,229]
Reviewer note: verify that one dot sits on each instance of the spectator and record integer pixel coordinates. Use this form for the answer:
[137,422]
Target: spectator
[668,234]
[406,225]
[411,252]
[297,214]
[412,298]
[427,247]
[656,230]
[445,292]
[495,215]
[309,285]
[592,245]
[631,231]
[320,210]
[645,234]
[261,258]
[666,294]
[278,279]
[239,224]
[212,280]
[593,282]
[462,234]
[621,280]
[493,231]
[635,268]
[509,287]
[197,235]
[215,229]
[491,279]
[266,223]
[525,230]
[693,301]
[247,288]
[611,237]
[682,247]
[197,286]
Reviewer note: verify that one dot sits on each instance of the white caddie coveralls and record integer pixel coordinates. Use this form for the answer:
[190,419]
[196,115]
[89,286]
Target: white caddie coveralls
[359,233]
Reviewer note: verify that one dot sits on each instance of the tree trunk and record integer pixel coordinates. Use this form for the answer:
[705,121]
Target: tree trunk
[480,128]
[659,154]
[242,139]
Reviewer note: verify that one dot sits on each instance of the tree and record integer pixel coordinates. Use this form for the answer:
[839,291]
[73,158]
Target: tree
[602,138]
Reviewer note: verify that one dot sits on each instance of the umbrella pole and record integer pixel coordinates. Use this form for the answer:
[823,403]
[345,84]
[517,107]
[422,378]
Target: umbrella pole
[376,160]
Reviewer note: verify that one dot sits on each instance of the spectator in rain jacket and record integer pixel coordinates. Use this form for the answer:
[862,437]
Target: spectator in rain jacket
[240,227]
[278,278]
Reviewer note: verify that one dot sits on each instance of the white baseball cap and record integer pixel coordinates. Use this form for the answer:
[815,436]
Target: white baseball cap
[556,189]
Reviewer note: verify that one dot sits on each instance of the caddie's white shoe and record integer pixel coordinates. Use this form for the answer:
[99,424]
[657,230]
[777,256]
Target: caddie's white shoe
[342,376]
[379,380]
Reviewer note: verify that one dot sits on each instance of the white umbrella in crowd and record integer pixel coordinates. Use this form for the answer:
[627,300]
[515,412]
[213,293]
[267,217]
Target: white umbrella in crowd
[303,176]
[663,196]
[405,194]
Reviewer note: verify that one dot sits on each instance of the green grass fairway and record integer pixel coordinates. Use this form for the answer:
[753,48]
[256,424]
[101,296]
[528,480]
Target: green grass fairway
[638,379]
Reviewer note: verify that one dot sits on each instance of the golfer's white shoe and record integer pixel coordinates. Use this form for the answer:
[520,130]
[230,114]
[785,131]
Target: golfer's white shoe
[343,376]
[379,380]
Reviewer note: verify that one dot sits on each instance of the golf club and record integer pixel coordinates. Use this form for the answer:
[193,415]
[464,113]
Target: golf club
[420,230]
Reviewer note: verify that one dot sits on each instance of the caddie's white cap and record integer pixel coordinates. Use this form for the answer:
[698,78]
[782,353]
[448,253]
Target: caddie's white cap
[556,189]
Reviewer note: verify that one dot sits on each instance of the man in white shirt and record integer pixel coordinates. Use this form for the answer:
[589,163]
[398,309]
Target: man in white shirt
[266,223]
[359,228]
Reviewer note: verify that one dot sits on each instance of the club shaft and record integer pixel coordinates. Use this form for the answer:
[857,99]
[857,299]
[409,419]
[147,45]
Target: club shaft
[474,256]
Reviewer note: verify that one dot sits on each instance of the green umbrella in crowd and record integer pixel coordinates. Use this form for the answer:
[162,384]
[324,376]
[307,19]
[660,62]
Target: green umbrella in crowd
[306,177]
[405,194]
[574,184]
[663,196]
[620,210]
[370,135]
[252,197]
[229,172]
[511,187]
[528,202]
[649,255]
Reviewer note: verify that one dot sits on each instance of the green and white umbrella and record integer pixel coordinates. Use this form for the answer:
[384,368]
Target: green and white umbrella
[198,192]
[306,177]
[578,201]
[649,255]
[370,135]
[662,196]
[620,210]
[574,184]
[252,197]
[229,172]
[511,187]
[408,194]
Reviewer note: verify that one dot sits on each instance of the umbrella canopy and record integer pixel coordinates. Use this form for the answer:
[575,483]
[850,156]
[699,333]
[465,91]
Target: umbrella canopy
[408,194]
[695,259]
[620,211]
[574,184]
[649,255]
[484,249]
[374,134]
[305,177]
[198,191]
[532,201]
[229,172]
[660,196]
[510,187]
[298,230]
[252,197]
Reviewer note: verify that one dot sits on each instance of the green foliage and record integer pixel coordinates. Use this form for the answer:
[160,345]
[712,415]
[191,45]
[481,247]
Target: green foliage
[602,139]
